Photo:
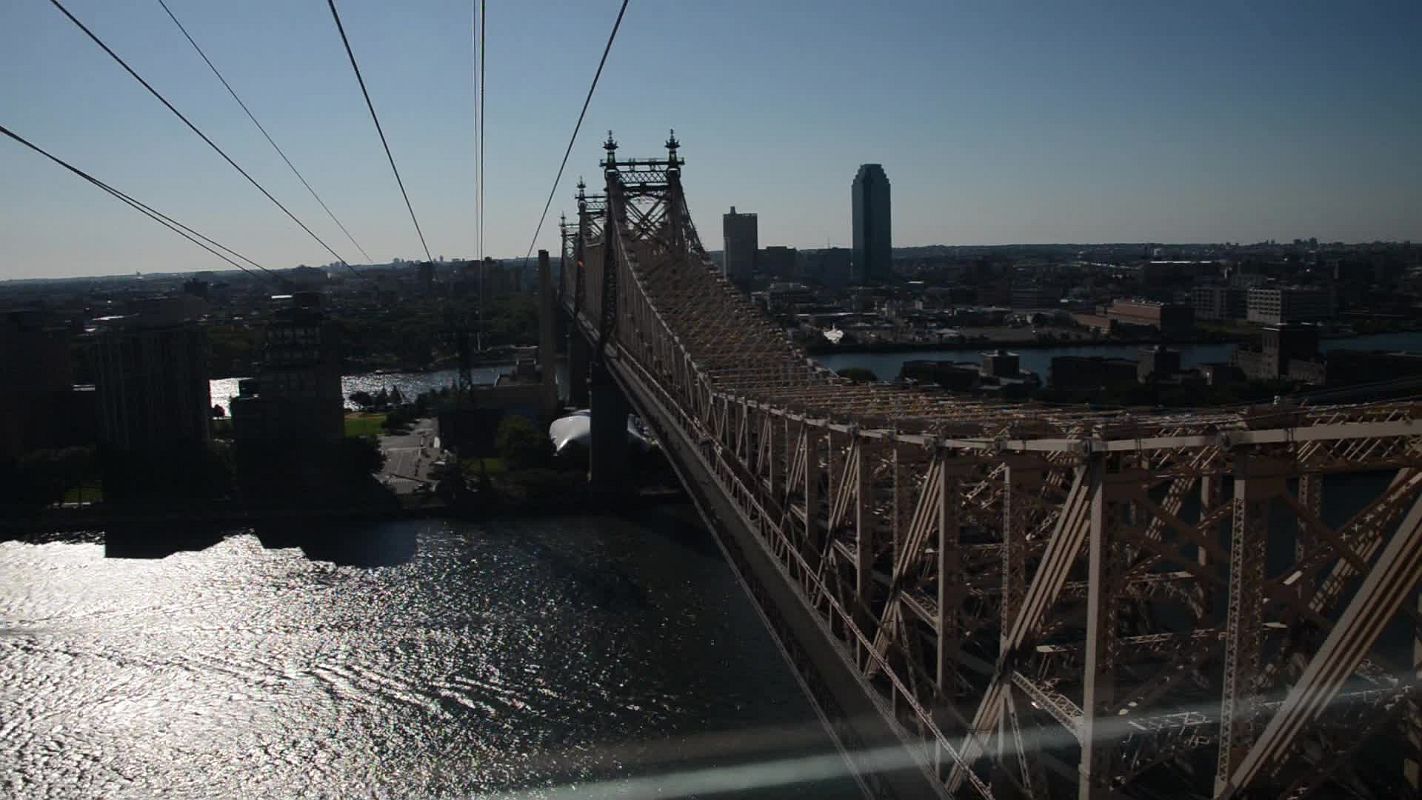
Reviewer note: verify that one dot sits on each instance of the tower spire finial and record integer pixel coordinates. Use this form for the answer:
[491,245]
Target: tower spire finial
[673,162]
[609,164]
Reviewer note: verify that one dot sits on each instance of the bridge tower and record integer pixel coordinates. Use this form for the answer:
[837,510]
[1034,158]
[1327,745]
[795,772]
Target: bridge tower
[607,448]
[547,323]
[579,353]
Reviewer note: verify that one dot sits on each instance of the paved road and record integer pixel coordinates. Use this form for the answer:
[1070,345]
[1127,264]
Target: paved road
[409,457]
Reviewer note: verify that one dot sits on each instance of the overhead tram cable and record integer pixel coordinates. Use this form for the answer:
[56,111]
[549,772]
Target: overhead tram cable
[336,15]
[587,100]
[268,136]
[483,118]
[476,77]
[474,84]
[152,213]
[481,176]
[195,129]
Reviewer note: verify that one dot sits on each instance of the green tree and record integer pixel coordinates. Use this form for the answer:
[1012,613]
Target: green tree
[360,456]
[449,480]
[399,419]
[231,349]
[520,444]
[34,480]
[512,319]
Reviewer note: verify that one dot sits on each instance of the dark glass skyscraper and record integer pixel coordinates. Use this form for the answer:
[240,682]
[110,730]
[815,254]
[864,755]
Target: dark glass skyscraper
[873,253]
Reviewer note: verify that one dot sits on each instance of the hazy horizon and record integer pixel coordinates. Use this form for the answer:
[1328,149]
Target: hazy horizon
[1009,124]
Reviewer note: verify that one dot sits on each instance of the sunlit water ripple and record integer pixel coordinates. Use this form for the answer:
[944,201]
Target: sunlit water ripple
[479,658]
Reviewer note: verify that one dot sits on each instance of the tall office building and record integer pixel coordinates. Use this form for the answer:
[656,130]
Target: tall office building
[1281,305]
[150,371]
[777,262]
[873,248]
[742,239]
[296,395]
[39,407]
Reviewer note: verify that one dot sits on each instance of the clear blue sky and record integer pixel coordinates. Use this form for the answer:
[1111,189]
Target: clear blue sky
[997,122]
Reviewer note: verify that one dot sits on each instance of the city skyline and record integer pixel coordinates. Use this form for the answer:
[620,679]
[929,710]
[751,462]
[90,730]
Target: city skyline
[1211,124]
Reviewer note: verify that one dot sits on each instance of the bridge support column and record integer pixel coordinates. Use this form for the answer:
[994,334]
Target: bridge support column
[578,357]
[1412,719]
[607,452]
[547,323]
[1257,482]
[1109,512]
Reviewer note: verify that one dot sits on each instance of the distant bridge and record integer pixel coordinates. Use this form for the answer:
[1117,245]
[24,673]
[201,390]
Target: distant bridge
[1022,600]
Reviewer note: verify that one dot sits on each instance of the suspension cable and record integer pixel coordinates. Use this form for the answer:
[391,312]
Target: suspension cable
[576,128]
[195,129]
[368,104]
[268,136]
[474,81]
[483,117]
[157,216]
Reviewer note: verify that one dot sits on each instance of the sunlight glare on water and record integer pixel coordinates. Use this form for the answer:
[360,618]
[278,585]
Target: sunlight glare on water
[413,658]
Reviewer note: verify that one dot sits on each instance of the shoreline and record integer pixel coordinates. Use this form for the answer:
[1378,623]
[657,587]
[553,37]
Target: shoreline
[825,348]
[818,349]
[975,347]
[93,525]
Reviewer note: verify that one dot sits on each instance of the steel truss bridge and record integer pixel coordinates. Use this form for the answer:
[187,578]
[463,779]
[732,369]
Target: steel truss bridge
[1034,601]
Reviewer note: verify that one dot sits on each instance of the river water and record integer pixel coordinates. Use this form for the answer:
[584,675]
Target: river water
[410,384]
[886,365]
[557,657]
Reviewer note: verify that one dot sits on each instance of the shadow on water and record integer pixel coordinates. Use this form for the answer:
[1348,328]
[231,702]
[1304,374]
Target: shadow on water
[584,585]
[352,544]
[611,587]
[345,543]
[680,524]
[607,587]
[158,540]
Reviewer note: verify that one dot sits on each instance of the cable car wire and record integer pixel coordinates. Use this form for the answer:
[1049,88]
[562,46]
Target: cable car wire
[483,119]
[154,214]
[475,50]
[576,128]
[195,129]
[261,128]
[336,15]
